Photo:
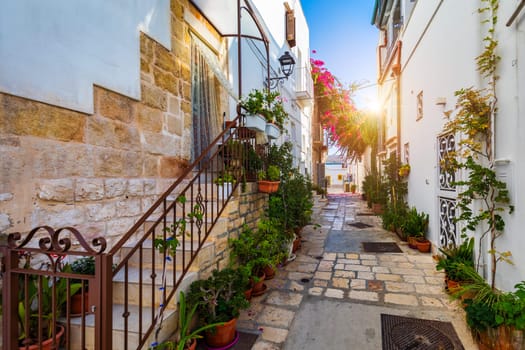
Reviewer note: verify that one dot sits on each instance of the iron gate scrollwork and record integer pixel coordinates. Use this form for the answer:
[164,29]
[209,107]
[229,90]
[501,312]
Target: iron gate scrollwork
[447,225]
[447,145]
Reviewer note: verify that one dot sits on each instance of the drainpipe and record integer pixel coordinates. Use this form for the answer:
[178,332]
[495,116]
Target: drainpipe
[397,67]
[379,48]
[239,51]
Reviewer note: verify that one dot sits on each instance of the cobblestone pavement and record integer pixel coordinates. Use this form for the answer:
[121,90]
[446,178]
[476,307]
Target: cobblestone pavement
[396,280]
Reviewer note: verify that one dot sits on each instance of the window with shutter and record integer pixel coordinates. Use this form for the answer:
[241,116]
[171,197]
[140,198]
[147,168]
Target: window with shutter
[290,28]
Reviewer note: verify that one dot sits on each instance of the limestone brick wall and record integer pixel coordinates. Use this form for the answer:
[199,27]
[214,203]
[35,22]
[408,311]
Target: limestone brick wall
[99,172]
[248,208]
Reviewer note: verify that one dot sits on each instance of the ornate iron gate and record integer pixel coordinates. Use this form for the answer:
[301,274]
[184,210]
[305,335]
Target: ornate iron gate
[448,232]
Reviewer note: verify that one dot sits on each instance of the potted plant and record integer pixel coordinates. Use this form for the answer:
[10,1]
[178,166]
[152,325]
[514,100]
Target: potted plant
[219,299]
[267,105]
[450,259]
[224,184]
[415,227]
[35,318]
[251,255]
[82,266]
[353,187]
[404,170]
[269,180]
[187,339]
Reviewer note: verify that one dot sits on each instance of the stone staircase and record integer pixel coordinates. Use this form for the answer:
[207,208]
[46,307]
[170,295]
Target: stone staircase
[143,264]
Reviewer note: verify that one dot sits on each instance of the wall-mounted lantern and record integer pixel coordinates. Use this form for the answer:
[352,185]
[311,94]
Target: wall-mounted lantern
[287,63]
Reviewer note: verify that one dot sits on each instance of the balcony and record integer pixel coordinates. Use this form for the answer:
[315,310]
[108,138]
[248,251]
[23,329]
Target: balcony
[304,86]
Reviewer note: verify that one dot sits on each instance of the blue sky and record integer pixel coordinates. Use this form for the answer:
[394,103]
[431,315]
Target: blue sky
[341,33]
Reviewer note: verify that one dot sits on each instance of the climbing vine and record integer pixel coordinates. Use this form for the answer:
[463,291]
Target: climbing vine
[474,117]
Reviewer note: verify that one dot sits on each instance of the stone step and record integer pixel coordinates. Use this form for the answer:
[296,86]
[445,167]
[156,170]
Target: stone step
[208,191]
[220,227]
[169,326]
[134,297]
[211,207]
[203,259]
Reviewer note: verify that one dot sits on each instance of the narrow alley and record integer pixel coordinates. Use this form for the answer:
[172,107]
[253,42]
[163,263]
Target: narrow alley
[333,294]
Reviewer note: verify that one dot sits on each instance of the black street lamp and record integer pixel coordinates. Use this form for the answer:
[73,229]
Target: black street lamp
[287,63]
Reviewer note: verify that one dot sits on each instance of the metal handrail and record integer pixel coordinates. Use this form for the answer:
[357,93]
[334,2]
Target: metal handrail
[133,263]
[161,280]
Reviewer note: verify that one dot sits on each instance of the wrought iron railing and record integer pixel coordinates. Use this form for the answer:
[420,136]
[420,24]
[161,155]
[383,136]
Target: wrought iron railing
[134,277]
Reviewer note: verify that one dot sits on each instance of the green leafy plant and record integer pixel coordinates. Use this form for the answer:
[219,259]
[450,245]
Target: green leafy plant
[47,297]
[415,224]
[261,248]
[185,335]
[474,119]
[220,297]
[393,218]
[167,244]
[268,104]
[480,316]
[225,178]
[273,173]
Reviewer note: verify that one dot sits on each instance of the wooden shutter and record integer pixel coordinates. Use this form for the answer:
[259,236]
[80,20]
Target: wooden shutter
[290,27]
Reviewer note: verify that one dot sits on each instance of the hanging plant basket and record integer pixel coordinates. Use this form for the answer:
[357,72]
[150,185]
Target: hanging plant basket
[272,131]
[256,123]
[265,186]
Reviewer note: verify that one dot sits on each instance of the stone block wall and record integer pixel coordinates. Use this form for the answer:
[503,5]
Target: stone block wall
[99,172]
[246,207]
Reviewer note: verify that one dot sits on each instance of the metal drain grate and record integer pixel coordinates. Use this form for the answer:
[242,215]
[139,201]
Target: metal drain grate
[400,332]
[360,225]
[381,247]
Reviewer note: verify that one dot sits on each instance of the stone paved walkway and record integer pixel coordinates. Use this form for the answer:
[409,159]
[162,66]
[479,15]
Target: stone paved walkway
[405,281]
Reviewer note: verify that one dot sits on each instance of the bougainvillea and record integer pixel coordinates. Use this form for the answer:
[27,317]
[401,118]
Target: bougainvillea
[337,112]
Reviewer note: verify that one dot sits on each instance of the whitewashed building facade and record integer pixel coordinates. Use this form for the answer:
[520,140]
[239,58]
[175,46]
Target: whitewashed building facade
[426,52]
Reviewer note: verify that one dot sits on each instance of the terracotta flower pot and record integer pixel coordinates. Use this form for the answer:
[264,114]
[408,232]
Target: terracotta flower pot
[259,287]
[296,244]
[48,343]
[268,186]
[269,272]
[193,345]
[453,286]
[76,303]
[377,208]
[423,245]
[222,335]
[412,242]
[248,294]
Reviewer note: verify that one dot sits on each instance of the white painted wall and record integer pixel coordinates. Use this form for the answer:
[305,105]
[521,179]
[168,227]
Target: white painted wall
[55,51]
[334,170]
[438,66]
[272,15]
